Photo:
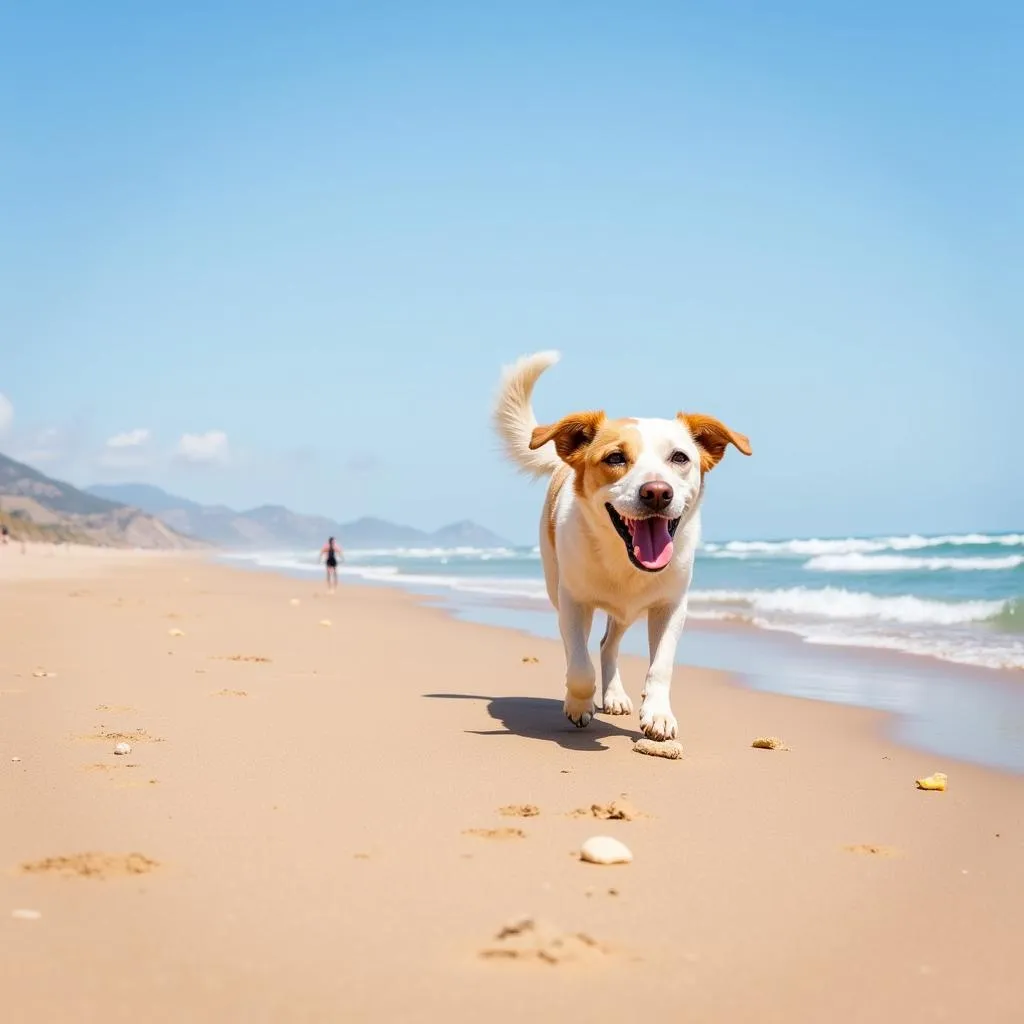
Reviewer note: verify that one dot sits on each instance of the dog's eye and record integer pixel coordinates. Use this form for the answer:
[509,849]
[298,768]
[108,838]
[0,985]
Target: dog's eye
[615,459]
[680,458]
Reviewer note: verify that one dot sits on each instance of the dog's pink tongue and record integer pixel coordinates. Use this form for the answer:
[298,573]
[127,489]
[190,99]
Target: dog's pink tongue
[652,545]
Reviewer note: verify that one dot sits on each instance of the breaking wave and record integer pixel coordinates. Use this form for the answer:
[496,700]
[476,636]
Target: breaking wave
[857,562]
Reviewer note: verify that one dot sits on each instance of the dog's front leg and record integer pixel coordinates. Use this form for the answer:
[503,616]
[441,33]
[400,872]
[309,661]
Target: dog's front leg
[664,625]
[614,700]
[574,622]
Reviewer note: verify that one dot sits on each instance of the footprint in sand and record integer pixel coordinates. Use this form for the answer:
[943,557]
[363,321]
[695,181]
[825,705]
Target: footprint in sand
[617,810]
[495,833]
[135,736]
[873,850]
[519,811]
[92,865]
[530,940]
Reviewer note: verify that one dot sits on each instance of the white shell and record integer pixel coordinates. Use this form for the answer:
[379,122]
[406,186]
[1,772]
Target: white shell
[123,748]
[605,850]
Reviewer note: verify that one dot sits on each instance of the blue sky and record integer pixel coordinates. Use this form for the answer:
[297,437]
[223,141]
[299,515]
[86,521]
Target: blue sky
[262,252]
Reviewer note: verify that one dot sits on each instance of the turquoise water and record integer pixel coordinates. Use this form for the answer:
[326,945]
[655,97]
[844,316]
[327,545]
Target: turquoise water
[957,598]
[838,622]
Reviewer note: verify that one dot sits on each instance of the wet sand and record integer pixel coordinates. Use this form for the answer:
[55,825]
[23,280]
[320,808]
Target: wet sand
[327,822]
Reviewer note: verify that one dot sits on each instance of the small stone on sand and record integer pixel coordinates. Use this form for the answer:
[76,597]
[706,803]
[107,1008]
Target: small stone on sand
[605,850]
[123,748]
[936,782]
[769,743]
[659,748]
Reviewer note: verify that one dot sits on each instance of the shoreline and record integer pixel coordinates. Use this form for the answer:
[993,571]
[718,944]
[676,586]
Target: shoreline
[314,817]
[922,696]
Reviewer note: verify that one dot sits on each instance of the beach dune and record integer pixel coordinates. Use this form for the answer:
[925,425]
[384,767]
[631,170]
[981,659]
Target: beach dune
[381,819]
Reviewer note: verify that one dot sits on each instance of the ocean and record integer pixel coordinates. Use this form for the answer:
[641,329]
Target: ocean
[957,598]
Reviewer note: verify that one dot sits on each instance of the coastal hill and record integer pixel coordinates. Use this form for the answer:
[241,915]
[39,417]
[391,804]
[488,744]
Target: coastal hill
[273,526]
[34,506]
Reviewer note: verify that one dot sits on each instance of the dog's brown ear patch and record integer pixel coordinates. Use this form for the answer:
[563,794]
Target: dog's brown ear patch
[571,434]
[712,437]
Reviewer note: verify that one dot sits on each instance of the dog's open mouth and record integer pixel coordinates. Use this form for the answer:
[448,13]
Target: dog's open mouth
[648,541]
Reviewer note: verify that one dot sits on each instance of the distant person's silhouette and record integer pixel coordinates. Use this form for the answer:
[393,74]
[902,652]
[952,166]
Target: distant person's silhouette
[331,555]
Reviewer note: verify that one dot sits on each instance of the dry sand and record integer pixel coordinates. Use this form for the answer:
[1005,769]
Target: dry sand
[325,835]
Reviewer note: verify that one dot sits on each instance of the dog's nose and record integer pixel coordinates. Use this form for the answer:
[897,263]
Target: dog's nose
[656,495]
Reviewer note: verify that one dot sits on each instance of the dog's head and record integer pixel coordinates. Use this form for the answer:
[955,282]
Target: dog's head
[641,476]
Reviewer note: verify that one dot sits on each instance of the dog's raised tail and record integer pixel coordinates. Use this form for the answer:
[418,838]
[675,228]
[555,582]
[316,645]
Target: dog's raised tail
[513,414]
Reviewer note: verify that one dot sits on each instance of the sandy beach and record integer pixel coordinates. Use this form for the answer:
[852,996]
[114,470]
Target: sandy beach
[334,806]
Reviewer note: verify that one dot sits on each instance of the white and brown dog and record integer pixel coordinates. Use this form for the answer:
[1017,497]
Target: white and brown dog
[619,531]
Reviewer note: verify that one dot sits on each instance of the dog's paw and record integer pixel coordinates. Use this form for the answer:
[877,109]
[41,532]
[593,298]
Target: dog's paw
[657,720]
[617,703]
[579,712]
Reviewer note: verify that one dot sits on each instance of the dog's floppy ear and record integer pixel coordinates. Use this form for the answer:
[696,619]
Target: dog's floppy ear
[571,434]
[712,437]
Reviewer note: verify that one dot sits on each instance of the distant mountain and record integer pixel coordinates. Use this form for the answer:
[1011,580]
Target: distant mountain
[34,506]
[20,481]
[145,496]
[379,533]
[467,534]
[273,526]
[277,525]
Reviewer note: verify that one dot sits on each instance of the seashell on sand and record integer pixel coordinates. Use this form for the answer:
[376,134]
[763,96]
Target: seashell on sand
[605,850]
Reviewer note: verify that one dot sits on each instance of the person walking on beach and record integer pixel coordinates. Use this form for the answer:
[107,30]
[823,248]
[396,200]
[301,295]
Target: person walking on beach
[331,555]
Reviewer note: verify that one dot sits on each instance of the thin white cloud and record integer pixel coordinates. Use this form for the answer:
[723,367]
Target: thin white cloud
[129,450]
[209,448]
[129,439]
[6,414]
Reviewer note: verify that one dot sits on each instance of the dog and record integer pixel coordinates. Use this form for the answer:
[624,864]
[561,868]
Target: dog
[618,533]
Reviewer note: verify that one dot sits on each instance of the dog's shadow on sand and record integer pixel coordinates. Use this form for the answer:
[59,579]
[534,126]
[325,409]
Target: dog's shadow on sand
[540,718]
